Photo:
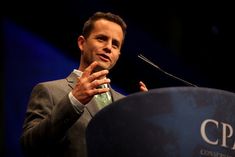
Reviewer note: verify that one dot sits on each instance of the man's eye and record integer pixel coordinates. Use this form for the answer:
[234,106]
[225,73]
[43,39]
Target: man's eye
[100,38]
[115,45]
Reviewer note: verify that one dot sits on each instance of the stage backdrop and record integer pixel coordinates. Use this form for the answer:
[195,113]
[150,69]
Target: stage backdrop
[28,60]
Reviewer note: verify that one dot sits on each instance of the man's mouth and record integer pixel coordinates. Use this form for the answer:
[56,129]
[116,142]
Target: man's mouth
[104,57]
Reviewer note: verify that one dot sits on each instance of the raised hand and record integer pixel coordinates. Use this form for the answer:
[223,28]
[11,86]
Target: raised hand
[87,85]
[143,87]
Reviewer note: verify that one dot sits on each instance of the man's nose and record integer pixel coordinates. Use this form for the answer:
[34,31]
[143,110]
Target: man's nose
[108,47]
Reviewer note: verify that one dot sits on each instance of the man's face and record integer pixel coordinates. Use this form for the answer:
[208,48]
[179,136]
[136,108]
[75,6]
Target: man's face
[103,45]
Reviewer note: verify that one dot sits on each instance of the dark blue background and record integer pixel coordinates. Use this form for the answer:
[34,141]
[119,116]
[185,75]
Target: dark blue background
[193,41]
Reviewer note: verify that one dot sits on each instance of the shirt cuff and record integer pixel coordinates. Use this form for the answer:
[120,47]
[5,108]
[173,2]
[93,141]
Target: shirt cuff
[77,105]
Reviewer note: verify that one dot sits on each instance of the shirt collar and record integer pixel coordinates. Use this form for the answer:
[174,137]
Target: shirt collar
[77,72]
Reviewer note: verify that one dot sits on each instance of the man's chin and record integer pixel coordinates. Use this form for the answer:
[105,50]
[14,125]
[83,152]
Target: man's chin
[101,67]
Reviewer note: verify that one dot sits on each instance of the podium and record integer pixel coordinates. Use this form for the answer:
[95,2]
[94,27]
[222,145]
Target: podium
[165,122]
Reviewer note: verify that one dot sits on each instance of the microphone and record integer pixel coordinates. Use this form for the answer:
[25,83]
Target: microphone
[157,67]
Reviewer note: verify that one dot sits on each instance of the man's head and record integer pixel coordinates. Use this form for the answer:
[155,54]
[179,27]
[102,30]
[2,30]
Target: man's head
[89,24]
[101,40]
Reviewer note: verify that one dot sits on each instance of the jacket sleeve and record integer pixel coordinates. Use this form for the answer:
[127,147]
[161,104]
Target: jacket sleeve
[46,122]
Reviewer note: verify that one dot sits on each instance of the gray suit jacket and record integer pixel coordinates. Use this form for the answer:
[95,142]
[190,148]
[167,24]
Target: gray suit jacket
[52,127]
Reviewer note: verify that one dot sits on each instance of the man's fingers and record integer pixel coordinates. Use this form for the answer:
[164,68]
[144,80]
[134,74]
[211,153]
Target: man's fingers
[97,83]
[98,75]
[91,75]
[87,72]
[100,90]
[95,91]
[143,86]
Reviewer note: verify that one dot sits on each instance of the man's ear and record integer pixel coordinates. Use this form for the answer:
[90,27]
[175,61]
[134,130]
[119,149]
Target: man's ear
[80,41]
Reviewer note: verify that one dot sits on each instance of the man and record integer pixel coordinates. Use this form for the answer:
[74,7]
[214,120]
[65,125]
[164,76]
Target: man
[59,111]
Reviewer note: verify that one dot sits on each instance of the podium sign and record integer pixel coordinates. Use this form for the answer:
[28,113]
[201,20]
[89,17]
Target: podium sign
[166,122]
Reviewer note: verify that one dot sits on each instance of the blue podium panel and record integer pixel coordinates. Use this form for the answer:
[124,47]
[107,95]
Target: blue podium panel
[166,122]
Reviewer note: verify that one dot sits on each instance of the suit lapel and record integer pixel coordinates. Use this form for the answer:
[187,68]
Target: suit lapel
[72,80]
[115,96]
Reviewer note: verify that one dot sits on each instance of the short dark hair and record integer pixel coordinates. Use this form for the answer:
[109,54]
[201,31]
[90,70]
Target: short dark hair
[89,24]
